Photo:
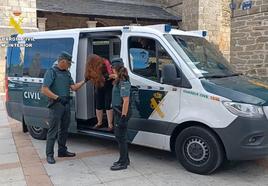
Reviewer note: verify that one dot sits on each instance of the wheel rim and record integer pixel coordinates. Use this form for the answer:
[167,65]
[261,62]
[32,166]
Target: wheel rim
[196,150]
[37,130]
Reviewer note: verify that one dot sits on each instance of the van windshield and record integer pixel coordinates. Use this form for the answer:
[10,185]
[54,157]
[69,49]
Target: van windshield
[201,56]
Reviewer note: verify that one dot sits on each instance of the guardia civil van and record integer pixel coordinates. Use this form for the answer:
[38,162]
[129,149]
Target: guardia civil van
[185,96]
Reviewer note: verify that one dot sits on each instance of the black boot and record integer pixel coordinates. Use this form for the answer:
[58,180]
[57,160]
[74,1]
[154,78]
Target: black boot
[66,154]
[118,162]
[119,166]
[51,160]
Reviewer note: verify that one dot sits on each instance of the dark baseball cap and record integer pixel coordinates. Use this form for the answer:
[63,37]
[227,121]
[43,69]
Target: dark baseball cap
[117,62]
[65,55]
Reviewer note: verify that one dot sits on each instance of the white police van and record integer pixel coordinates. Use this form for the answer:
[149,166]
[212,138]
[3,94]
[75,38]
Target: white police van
[185,96]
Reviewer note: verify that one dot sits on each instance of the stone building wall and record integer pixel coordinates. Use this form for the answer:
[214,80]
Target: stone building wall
[249,46]
[217,21]
[190,15]
[28,13]
[55,21]
[213,16]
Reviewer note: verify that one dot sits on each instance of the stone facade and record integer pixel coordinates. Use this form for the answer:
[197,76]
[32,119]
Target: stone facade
[249,46]
[199,15]
[28,15]
[59,21]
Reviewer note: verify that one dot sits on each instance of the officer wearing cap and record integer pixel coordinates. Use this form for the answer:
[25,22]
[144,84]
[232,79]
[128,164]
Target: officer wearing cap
[56,86]
[121,108]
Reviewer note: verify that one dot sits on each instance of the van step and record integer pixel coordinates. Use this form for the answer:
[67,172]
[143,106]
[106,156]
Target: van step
[91,128]
[97,134]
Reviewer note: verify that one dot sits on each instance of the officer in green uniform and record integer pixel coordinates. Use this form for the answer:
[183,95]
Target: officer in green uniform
[121,108]
[56,86]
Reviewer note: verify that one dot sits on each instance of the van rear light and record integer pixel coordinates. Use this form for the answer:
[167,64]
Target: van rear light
[6,88]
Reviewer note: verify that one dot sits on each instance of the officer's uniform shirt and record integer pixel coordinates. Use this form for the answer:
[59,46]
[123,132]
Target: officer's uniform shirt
[120,90]
[58,81]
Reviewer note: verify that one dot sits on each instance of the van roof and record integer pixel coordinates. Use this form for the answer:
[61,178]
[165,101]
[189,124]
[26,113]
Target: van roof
[154,29]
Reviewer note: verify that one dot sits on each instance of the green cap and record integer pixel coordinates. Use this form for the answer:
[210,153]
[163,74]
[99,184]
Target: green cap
[117,62]
[65,55]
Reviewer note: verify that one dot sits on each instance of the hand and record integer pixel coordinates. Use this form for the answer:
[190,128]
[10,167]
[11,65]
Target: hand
[123,121]
[62,100]
[86,79]
[112,76]
[106,77]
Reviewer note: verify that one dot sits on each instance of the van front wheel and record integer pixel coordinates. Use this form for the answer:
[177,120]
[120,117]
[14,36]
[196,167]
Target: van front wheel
[37,132]
[199,150]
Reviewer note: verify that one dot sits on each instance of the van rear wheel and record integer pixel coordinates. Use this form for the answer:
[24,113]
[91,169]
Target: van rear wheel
[199,150]
[37,132]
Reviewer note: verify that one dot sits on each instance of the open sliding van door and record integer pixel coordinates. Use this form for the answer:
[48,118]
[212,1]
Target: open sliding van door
[106,44]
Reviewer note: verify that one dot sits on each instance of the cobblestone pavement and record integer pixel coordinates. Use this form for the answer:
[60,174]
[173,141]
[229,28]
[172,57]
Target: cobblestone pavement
[22,162]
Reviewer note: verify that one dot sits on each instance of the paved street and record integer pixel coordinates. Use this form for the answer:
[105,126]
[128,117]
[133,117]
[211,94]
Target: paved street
[22,162]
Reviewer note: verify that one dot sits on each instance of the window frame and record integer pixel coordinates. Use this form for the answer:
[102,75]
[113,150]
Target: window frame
[158,44]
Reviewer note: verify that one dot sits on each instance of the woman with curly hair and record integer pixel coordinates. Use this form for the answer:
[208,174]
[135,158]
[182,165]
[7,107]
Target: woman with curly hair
[97,71]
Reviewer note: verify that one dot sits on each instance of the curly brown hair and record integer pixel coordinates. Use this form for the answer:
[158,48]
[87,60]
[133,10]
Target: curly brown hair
[95,68]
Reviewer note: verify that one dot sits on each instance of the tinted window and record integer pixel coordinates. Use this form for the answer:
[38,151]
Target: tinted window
[116,49]
[44,54]
[15,60]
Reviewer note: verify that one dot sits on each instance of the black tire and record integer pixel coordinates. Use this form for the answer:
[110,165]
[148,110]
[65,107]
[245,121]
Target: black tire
[37,132]
[199,150]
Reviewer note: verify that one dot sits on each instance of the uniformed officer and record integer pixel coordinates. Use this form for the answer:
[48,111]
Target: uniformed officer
[121,108]
[56,86]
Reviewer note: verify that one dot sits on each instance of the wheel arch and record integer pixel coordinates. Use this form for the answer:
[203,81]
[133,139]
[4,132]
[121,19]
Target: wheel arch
[179,128]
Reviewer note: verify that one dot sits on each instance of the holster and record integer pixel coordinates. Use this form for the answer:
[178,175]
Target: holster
[52,102]
[118,109]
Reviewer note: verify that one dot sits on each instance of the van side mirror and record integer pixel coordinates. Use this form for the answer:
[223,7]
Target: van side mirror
[170,75]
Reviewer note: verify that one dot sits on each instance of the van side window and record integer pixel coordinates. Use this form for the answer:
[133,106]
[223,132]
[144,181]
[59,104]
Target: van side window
[147,57]
[163,59]
[142,55]
[44,54]
[15,61]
